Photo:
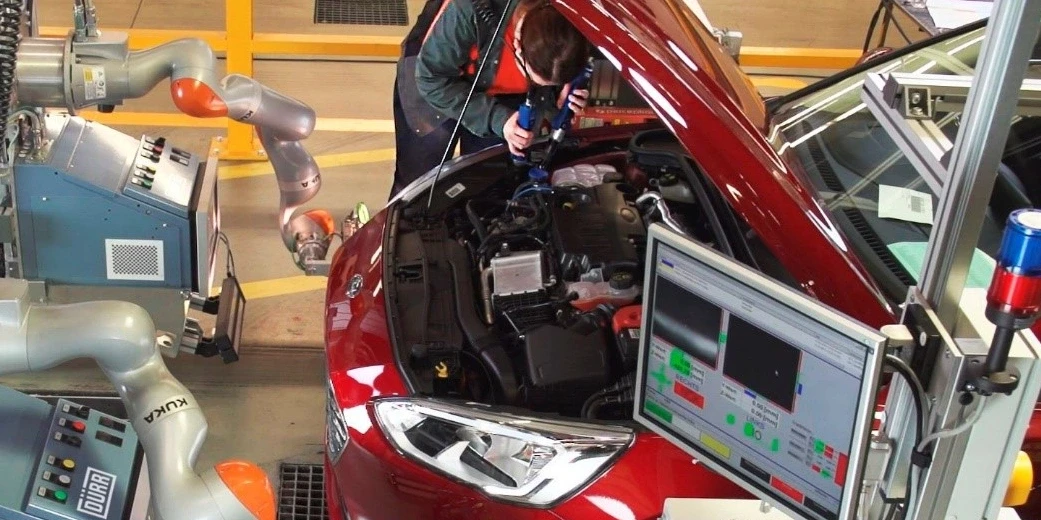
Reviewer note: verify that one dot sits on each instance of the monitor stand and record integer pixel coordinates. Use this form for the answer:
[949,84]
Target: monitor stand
[719,509]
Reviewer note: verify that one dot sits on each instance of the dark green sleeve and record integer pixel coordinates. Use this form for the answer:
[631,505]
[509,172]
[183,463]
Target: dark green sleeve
[444,54]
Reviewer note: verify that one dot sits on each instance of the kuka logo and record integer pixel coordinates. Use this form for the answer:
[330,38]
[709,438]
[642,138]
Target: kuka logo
[170,406]
[96,496]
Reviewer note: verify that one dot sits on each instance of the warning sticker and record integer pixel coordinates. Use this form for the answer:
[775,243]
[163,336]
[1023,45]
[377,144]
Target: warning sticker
[454,191]
[94,83]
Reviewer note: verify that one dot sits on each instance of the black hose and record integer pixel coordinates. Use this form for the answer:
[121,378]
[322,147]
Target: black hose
[10,38]
[475,221]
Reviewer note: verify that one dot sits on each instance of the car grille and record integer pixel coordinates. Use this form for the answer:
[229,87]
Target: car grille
[335,429]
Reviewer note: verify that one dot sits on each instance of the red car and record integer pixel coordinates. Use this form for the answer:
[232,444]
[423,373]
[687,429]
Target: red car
[480,350]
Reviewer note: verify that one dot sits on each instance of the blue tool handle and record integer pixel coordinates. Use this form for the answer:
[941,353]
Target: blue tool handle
[564,117]
[526,120]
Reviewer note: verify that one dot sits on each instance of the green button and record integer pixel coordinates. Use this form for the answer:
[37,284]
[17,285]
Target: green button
[775,445]
[679,362]
[658,410]
[749,429]
[819,447]
[60,495]
[731,419]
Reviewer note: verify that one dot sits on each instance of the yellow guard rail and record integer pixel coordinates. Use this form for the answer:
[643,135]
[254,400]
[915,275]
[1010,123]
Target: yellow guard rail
[240,45]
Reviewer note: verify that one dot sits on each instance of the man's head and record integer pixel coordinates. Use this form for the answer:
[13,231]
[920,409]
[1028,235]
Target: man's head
[552,50]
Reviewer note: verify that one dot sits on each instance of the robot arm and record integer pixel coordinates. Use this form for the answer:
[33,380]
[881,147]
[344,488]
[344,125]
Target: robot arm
[169,423]
[82,71]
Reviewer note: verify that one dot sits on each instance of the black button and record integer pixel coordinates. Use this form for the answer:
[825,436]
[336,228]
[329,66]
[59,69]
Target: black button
[112,424]
[111,439]
[73,441]
[83,412]
[161,141]
[755,470]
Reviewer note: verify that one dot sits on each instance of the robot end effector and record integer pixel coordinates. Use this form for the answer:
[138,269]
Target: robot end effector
[77,72]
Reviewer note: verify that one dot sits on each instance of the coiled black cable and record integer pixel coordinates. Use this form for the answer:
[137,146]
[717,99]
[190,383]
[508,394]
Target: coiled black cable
[10,38]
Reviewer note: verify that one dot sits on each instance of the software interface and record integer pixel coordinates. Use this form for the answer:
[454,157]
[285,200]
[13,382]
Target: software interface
[735,387]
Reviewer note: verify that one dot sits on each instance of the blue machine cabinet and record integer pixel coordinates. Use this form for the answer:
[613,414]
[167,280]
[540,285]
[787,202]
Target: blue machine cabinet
[68,462]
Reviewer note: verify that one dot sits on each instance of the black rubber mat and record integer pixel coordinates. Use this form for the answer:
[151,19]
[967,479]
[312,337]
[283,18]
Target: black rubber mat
[361,12]
[301,492]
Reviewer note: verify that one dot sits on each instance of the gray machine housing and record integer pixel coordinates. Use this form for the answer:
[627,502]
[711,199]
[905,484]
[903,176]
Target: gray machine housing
[95,214]
[147,220]
[106,481]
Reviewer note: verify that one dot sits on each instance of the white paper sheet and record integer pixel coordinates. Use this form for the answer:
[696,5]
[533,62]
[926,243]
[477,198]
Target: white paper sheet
[949,14]
[904,204]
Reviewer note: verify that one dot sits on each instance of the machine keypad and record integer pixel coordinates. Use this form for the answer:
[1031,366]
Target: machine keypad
[163,174]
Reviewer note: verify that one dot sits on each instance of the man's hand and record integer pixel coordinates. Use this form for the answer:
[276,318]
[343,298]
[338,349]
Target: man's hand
[577,101]
[517,138]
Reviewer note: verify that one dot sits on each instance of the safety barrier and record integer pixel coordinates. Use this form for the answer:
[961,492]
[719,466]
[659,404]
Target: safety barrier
[240,45]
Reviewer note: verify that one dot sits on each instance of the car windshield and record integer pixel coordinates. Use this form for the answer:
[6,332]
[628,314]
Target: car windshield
[862,176]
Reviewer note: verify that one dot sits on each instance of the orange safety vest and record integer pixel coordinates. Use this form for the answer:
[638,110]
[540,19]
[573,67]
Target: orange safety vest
[509,79]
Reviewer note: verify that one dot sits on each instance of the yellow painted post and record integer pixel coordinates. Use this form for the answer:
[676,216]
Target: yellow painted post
[241,143]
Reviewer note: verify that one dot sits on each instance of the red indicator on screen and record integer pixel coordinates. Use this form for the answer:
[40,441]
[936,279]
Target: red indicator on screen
[691,396]
[840,470]
[816,468]
[788,490]
[829,452]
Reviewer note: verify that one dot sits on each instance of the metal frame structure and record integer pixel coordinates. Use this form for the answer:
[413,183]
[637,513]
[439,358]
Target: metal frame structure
[241,46]
[964,176]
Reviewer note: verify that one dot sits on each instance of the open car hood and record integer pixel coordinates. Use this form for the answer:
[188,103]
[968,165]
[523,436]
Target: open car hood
[676,35]
[671,58]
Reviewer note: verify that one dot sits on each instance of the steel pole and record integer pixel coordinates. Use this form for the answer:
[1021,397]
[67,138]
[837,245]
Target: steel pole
[1011,34]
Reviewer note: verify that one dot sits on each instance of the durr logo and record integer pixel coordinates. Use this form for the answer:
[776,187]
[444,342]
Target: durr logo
[96,495]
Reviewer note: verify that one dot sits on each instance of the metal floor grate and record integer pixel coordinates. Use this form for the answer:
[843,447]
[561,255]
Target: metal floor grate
[361,12]
[301,495]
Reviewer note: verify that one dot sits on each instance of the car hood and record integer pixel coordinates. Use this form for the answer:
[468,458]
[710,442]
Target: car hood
[675,34]
[669,56]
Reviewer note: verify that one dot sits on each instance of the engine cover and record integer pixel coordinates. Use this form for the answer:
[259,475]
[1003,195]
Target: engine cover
[598,227]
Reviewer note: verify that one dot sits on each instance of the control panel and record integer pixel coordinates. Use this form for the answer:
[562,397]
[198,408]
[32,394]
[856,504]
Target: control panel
[84,465]
[163,174]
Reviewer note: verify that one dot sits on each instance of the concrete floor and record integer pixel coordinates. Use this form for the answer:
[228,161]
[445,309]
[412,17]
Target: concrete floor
[268,407]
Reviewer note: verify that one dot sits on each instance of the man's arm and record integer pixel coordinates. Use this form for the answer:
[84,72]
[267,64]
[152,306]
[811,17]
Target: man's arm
[438,78]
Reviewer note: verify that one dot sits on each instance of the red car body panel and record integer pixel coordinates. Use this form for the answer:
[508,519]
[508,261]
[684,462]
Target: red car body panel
[702,96]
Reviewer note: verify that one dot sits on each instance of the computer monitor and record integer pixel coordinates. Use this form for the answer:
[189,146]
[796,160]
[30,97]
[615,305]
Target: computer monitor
[769,388]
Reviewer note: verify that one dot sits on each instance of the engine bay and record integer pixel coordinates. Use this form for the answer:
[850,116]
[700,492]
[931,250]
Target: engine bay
[527,293]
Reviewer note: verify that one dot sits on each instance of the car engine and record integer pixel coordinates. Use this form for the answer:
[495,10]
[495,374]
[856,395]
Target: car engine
[528,293]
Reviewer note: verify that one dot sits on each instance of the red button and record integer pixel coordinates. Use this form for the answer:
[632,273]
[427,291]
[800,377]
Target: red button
[78,427]
[787,489]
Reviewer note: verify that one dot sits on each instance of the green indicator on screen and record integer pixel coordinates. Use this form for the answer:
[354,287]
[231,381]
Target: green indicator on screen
[660,377]
[722,338]
[749,429]
[775,445]
[825,473]
[679,362]
[819,447]
[731,419]
[658,410]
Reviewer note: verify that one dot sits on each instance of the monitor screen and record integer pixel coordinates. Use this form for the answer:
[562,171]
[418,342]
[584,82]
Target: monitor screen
[768,387]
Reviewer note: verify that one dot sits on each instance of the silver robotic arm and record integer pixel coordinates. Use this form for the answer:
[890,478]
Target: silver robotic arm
[169,423]
[94,68]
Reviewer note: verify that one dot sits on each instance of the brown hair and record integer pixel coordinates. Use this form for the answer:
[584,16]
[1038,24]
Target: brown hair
[551,46]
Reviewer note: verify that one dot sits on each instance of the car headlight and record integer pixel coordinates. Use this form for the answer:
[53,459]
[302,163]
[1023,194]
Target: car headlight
[527,460]
[335,426]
